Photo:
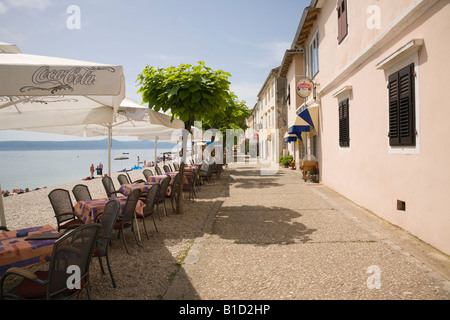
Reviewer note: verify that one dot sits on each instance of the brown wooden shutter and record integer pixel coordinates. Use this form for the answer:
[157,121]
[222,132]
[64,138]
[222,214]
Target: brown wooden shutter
[406,107]
[402,130]
[344,124]
[342,20]
[394,137]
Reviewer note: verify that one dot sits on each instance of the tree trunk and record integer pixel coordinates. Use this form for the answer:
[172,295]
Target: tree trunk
[180,202]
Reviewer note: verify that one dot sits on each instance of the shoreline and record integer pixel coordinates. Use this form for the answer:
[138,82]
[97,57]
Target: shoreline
[17,206]
[34,169]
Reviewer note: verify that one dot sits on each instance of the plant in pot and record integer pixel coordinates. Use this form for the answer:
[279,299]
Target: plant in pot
[292,165]
[285,161]
[313,173]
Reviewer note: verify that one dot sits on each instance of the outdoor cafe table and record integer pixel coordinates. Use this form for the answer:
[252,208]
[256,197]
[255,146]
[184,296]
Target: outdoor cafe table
[18,252]
[127,189]
[89,210]
[159,178]
[190,168]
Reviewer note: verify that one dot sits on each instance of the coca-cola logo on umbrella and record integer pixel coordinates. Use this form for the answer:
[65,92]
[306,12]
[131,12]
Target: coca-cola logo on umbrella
[63,78]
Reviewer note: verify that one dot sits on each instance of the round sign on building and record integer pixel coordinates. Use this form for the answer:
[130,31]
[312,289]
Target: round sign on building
[304,87]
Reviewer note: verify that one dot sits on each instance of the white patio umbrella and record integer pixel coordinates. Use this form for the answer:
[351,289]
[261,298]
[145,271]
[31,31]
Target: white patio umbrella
[131,119]
[9,48]
[175,136]
[40,91]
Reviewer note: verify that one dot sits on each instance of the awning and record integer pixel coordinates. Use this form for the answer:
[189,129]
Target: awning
[299,127]
[290,138]
[310,116]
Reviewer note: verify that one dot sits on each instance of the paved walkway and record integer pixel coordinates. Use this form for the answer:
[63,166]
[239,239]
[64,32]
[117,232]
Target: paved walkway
[279,238]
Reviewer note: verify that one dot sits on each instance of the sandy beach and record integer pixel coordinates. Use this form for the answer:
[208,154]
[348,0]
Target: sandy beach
[147,271]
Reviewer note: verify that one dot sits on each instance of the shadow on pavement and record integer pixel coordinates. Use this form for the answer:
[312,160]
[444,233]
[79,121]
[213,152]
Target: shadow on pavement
[261,226]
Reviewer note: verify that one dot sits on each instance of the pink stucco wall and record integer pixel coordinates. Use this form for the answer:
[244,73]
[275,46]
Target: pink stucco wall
[371,173]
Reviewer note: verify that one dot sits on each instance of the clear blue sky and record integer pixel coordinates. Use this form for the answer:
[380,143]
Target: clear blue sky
[246,38]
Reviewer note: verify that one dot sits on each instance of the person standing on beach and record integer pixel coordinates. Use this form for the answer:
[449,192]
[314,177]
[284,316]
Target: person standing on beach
[100,166]
[92,170]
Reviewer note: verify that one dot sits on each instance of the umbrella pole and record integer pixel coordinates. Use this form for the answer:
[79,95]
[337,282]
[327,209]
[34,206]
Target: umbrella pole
[2,211]
[156,152]
[109,150]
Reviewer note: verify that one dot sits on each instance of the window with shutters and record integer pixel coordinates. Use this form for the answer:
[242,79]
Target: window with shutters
[344,124]
[342,20]
[314,55]
[402,124]
[288,98]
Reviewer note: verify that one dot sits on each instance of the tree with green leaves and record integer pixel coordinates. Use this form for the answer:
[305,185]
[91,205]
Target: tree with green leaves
[233,117]
[188,92]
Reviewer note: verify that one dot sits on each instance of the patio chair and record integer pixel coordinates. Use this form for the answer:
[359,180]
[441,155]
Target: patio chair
[109,187]
[176,166]
[174,191]
[199,181]
[126,220]
[73,249]
[171,168]
[123,179]
[218,169]
[166,168]
[147,174]
[81,193]
[149,209]
[65,215]
[206,175]
[190,186]
[107,219]
[158,171]
[161,198]
[135,181]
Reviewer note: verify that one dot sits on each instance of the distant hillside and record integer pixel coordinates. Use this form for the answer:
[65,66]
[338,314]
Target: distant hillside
[80,145]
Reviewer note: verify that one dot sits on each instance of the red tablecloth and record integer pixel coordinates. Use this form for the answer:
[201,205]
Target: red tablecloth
[18,252]
[89,210]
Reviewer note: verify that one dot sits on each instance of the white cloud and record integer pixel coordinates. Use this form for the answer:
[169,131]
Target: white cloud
[246,91]
[11,37]
[270,54]
[32,4]
[3,8]
[162,60]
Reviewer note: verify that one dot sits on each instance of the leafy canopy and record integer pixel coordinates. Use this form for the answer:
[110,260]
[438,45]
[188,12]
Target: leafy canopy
[188,92]
[233,117]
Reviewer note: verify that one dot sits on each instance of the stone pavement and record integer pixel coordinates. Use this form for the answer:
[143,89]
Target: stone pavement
[277,237]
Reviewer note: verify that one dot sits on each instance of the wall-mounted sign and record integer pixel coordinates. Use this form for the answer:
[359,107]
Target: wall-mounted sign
[304,87]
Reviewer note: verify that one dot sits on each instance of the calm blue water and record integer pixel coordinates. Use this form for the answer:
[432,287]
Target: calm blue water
[33,169]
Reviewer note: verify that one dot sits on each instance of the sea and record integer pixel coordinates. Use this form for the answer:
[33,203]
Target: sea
[49,168]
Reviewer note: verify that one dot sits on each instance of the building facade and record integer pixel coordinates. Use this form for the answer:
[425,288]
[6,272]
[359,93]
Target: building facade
[381,136]
[271,116]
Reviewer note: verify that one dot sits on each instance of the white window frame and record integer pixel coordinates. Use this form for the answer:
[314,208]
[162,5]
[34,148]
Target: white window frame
[313,52]
[414,58]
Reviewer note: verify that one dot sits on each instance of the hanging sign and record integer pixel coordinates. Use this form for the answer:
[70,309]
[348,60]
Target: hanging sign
[304,87]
